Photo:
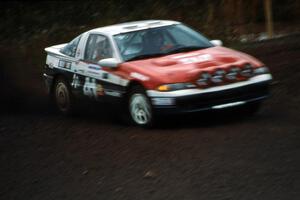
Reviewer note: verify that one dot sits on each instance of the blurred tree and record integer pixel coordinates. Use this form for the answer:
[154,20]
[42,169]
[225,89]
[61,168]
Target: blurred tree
[65,19]
[269,17]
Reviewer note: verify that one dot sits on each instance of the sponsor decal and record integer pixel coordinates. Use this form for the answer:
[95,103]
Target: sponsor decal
[139,76]
[92,89]
[196,59]
[81,71]
[163,101]
[94,67]
[78,52]
[105,75]
[68,65]
[51,65]
[76,82]
[99,90]
[61,63]
[91,72]
[186,55]
[64,64]
[88,87]
[113,93]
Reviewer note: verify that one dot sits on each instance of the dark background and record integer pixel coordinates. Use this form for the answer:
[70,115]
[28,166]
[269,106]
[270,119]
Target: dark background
[26,28]
[62,19]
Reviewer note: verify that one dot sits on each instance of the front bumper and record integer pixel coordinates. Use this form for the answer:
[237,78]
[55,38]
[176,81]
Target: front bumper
[218,97]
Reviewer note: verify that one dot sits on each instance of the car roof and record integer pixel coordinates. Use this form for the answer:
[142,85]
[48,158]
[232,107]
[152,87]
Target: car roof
[132,26]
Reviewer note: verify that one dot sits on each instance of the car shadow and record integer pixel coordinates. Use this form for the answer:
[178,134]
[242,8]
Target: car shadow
[97,113]
[205,119]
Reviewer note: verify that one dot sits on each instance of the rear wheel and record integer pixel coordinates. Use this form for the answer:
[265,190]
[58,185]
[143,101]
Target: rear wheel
[140,108]
[63,96]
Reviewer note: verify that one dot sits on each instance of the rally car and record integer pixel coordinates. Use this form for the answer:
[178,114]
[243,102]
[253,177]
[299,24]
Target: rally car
[153,67]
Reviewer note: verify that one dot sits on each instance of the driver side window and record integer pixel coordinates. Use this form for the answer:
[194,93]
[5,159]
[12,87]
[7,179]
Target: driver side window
[98,47]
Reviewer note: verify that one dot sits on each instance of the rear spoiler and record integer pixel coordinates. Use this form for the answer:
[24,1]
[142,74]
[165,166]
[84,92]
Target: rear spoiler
[55,49]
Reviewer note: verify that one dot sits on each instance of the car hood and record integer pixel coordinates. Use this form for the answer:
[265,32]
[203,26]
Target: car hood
[183,67]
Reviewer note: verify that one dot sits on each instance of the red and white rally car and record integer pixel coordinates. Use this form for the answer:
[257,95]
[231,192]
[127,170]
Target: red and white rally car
[153,66]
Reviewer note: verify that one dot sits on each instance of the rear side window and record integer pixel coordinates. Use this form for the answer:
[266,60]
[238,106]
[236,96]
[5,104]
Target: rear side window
[71,48]
[98,47]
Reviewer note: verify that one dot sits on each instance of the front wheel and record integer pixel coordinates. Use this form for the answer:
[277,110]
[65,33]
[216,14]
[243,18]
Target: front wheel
[140,108]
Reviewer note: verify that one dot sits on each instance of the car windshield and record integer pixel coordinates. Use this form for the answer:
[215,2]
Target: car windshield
[159,41]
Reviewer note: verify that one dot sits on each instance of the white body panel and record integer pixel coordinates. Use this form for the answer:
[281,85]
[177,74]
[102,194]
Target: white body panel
[78,66]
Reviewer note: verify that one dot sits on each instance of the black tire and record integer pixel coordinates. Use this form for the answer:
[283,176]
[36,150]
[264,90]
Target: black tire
[140,108]
[63,97]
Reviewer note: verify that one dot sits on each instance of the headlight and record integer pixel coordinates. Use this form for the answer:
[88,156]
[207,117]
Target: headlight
[204,79]
[232,73]
[261,70]
[247,70]
[175,86]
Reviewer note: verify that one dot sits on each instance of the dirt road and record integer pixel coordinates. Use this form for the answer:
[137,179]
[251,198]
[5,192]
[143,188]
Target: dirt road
[47,156]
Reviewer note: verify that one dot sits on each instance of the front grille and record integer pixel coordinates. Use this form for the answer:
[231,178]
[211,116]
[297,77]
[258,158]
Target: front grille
[215,98]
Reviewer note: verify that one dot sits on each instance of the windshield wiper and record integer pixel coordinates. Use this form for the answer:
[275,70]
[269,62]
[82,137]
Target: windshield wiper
[145,56]
[185,49]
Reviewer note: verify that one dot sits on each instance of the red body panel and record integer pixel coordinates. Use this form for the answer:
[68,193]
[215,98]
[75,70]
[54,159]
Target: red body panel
[183,67]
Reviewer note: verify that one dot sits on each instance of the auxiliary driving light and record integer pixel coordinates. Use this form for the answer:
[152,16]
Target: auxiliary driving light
[247,70]
[232,73]
[218,76]
[204,79]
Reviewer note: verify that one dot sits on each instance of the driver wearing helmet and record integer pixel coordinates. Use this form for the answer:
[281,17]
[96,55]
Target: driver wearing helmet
[153,42]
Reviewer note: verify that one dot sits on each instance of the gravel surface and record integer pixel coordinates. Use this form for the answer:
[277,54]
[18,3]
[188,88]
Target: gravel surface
[215,156]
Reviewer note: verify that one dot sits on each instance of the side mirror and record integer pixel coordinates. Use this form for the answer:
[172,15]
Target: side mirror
[109,62]
[217,42]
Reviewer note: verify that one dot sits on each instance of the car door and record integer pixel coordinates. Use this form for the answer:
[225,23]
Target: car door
[98,82]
